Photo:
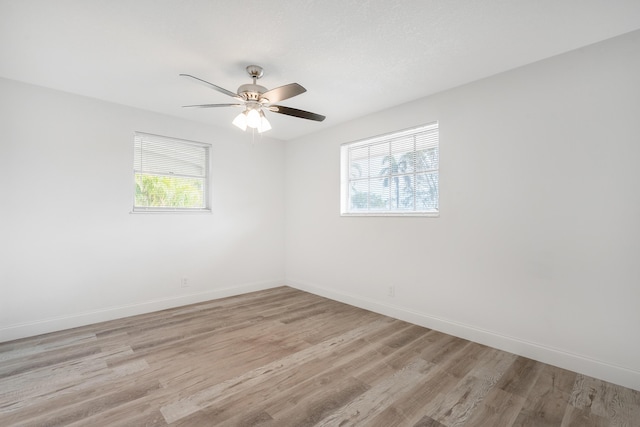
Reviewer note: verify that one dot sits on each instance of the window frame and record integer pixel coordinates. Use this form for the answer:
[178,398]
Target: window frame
[346,180]
[206,178]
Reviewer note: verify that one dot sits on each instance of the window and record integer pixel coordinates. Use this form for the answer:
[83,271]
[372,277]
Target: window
[170,175]
[393,174]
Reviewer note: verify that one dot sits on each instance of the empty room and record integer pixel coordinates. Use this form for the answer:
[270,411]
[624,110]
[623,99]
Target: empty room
[319,213]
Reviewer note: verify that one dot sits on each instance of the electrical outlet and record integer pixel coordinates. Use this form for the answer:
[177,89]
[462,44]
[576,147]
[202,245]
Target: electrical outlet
[184,282]
[391,291]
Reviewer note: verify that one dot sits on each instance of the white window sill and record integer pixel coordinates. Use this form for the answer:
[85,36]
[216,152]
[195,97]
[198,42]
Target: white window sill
[171,211]
[396,214]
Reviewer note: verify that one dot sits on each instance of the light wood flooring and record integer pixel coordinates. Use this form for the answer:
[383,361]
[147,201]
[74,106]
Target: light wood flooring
[283,357]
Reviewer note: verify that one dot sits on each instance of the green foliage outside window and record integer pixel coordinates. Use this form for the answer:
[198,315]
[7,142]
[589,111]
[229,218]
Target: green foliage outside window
[169,191]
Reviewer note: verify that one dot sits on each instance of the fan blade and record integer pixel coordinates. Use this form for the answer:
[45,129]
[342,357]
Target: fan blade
[213,105]
[296,113]
[283,92]
[212,86]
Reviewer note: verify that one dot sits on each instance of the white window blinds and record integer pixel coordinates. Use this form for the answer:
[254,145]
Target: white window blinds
[170,174]
[393,174]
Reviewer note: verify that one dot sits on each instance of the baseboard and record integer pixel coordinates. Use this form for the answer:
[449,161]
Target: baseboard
[43,326]
[553,356]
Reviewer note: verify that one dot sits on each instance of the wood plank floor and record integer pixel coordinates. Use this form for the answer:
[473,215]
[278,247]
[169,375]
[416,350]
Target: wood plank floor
[283,357]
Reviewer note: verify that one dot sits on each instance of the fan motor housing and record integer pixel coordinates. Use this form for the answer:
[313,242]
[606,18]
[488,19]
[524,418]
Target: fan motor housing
[251,92]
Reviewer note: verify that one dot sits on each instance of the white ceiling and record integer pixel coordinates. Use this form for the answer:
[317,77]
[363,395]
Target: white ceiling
[354,57]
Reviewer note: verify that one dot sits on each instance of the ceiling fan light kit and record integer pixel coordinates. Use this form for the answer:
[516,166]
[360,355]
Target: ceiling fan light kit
[254,99]
[253,118]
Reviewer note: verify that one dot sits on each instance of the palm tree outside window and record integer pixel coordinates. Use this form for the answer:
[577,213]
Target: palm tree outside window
[393,174]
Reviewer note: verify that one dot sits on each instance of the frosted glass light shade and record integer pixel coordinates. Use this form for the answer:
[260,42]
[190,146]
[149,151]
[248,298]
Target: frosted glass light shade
[240,121]
[264,123]
[253,118]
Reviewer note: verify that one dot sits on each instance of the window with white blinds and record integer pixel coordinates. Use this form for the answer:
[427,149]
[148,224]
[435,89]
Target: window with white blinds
[170,175]
[393,174]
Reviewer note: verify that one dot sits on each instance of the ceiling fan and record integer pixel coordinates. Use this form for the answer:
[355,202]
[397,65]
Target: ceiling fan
[254,98]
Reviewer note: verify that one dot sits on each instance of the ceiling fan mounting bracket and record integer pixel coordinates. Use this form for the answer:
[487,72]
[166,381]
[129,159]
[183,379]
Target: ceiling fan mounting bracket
[255,71]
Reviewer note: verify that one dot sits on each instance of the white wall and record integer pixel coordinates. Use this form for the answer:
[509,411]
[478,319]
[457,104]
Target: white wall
[71,252]
[537,249]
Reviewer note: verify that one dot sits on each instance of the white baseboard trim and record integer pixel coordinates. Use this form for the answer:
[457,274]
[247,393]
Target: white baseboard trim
[43,326]
[553,356]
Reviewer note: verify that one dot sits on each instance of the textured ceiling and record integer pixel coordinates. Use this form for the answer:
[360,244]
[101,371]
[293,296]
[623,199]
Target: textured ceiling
[353,56]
